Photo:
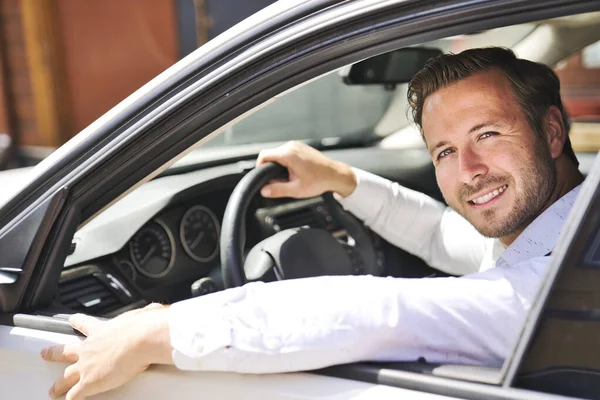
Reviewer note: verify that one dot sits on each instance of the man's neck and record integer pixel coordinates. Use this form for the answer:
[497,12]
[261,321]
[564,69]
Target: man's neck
[564,184]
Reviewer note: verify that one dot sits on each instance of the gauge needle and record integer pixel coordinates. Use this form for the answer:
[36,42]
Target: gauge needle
[197,241]
[148,255]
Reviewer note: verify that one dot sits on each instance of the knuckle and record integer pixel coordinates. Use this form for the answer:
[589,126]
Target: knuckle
[77,319]
[152,306]
[296,146]
[84,380]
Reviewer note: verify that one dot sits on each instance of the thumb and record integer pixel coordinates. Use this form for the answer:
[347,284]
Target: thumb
[84,323]
[280,189]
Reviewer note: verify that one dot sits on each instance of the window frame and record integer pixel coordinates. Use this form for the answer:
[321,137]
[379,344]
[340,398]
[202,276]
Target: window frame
[561,255]
[416,22]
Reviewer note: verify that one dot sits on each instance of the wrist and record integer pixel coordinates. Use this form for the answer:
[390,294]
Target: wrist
[154,341]
[346,181]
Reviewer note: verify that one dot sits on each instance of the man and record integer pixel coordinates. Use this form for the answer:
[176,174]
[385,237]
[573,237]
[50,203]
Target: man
[495,130]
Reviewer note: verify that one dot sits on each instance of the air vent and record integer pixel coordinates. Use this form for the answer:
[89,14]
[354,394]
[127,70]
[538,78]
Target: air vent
[94,294]
[296,218]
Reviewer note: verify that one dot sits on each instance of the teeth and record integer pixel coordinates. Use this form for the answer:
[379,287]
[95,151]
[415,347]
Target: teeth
[487,197]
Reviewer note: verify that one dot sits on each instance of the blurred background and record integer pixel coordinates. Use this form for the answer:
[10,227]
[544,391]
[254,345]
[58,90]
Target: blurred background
[63,63]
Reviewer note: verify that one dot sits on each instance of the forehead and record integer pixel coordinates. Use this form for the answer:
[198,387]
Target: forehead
[474,100]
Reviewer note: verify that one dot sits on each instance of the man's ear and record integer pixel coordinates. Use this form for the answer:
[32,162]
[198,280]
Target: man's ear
[556,131]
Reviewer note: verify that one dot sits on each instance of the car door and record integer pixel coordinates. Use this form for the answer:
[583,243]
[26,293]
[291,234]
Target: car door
[279,48]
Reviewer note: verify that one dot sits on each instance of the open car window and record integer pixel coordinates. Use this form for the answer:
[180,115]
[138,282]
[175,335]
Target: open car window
[159,194]
[557,351]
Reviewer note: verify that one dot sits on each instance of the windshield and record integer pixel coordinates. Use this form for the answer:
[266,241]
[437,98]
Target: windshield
[329,108]
[324,108]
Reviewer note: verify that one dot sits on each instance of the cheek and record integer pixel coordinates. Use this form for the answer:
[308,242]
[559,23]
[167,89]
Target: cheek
[447,181]
[505,162]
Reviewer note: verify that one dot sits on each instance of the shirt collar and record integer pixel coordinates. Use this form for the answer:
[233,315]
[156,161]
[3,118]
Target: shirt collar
[540,237]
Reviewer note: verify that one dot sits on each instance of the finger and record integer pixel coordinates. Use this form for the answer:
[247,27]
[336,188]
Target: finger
[78,392]
[153,306]
[69,379]
[275,155]
[61,353]
[281,189]
[84,323]
[281,155]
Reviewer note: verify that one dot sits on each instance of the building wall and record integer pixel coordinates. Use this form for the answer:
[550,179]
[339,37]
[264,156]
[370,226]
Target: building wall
[99,52]
[16,96]
[110,49]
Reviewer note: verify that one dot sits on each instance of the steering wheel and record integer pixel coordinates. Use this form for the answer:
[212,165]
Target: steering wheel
[292,253]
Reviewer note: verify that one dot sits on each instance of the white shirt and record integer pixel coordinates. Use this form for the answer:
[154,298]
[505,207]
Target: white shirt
[312,323]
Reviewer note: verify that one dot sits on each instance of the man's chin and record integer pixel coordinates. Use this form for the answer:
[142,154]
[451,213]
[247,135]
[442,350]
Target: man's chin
[497,228]
[491,223]
[491,227]
[489,232]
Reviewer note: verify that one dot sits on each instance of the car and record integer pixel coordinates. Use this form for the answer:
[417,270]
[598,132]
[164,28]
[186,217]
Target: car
[155,201]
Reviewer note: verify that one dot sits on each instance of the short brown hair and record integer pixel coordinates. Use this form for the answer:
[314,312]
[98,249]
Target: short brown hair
[535,85]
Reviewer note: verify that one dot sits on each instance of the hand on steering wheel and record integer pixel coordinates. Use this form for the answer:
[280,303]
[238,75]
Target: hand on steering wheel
[325,253]
[310,172]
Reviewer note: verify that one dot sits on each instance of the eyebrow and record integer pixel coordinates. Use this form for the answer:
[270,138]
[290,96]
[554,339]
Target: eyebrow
[483,125]
[437,146]
[473,129]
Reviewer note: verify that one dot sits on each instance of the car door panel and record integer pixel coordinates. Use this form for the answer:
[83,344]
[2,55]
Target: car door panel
[24,375]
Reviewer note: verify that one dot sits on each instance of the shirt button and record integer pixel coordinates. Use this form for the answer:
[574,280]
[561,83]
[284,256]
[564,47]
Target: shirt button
[272,343]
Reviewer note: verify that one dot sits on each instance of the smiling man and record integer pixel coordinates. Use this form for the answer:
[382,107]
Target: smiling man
[494,127]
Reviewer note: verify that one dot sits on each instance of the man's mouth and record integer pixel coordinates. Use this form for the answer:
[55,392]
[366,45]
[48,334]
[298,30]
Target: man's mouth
[486,198]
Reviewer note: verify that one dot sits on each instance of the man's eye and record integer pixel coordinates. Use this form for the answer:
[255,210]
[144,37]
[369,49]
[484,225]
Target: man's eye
[444,153]
[487,135]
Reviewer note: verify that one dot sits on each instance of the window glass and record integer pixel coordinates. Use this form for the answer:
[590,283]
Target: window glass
[580,87]
[324,108]
[591,56]
[563,355]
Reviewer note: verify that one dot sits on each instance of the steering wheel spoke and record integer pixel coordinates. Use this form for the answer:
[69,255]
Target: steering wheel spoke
[292,253]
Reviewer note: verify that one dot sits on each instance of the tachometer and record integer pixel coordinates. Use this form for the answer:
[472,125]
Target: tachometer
[199,233]
[153,250]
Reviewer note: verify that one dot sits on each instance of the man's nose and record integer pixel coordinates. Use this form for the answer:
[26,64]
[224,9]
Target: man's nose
[470,165]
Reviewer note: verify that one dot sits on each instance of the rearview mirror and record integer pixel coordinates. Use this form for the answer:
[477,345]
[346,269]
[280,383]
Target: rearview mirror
[390,69]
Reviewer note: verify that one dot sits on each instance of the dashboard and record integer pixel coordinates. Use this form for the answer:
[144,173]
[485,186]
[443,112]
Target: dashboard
[160,240]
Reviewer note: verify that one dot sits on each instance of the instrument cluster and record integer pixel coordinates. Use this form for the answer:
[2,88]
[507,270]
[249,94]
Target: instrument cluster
[177,236]
[178,244]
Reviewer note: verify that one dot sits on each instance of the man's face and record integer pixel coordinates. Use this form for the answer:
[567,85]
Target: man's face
[490,165]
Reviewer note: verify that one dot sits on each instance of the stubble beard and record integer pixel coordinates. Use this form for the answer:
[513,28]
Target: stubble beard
[538,180]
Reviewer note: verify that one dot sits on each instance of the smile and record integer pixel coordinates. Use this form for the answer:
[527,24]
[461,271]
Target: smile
[489,196]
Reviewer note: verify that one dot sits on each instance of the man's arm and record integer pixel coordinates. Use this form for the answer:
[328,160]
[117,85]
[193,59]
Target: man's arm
[312,323]
[406,218]
[298,325]
[417,223]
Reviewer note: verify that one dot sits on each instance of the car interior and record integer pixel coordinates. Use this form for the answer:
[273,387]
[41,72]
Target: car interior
[162,241]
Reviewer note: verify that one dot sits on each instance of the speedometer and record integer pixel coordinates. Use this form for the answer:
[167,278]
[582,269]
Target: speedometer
[153,250]
[199,233]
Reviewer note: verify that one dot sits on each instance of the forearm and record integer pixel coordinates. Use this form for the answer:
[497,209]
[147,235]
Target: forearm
[298,325]
[406,218]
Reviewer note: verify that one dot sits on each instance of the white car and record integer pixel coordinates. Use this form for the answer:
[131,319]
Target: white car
[133,209]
